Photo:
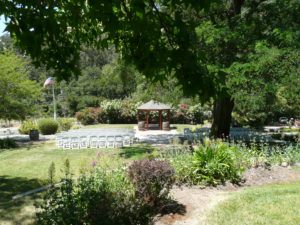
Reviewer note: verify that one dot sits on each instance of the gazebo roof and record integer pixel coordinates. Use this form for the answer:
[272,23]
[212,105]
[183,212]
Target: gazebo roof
[154,105]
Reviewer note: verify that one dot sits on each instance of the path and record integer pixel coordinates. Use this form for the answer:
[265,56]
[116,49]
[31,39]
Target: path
[156,136]
[199,202]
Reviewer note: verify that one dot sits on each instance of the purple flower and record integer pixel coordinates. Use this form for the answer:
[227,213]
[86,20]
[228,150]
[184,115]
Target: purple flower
[94,163]
[111,155]
[99,154]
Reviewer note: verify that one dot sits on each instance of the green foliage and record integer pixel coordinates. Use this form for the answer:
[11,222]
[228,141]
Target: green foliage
[19,95]
[65,124]
[101,196]
[87,116]
[290,130]
[276,97]
[48,126]
[286,137]
[216,163]
[7,143]
[27,125]
[166,37]
[118,111]
[152,180]
[184,169]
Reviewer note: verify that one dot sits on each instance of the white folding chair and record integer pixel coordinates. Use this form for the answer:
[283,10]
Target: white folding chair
[118,142]
[93,142]
[126,141]
[66,142]
[59,141]
[75,143]
[110,142]
[102,142]
[84,142]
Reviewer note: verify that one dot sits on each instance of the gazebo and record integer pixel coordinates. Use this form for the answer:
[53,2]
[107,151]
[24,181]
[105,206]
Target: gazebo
[154,106]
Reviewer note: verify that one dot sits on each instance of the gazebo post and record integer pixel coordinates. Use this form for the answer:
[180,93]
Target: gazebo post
[160,119]
[147,120]
[138,115]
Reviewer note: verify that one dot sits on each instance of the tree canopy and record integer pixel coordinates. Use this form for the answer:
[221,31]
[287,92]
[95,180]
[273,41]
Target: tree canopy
[18,94]
[210,48]
[155,35]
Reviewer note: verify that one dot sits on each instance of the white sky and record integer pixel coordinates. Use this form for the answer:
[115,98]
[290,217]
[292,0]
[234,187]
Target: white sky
[2,25]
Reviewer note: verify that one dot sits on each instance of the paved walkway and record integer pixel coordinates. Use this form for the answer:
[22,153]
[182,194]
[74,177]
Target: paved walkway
[156,136]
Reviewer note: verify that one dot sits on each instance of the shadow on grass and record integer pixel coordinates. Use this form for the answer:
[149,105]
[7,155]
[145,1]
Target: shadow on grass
[13,210]
[136,152]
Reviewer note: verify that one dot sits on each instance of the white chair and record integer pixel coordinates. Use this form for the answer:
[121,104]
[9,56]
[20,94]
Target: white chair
[66,142]
[110,142]
[126,141]
[102,142]
[118,142]
[75,143]
[59,141]
[84,142]
[93,142]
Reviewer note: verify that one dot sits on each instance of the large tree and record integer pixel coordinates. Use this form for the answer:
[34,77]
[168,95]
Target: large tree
[18,94]
[238,36]
[194,41]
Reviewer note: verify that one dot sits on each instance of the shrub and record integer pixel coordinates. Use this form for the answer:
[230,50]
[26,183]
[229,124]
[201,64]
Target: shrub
[152,180]
[215,162]
[28,125]
[184,169]
[64,124]
[7,143]
[87,116]
[98,197]
[48,126]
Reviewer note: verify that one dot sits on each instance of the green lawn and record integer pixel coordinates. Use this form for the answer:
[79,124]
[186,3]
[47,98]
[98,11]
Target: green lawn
[270,204]
[178,127]
[26,168]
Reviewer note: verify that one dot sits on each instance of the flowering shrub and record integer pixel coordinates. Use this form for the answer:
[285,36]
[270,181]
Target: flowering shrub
[105,196]
[87,116]
[117,111]
[188,114]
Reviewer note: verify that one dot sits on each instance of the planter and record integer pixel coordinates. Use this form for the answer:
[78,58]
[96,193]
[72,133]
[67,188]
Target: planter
[141,125]
[34,135]
[166,125]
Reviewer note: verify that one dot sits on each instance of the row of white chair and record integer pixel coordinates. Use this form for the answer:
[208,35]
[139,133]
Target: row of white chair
[93,141]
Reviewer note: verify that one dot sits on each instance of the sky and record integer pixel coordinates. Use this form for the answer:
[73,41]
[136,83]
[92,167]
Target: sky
[2,25]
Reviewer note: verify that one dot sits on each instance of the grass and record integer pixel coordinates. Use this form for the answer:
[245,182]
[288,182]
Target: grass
[270,204]
[26,168]
[180,127]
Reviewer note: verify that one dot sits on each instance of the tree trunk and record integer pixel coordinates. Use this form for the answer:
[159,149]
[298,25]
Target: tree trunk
[223,107]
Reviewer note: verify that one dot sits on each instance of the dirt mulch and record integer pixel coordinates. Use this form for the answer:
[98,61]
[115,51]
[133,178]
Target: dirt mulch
[195,202]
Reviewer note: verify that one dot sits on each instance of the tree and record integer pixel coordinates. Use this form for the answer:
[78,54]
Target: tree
[267,87]
[18,95]
[195,42]
[230,34]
